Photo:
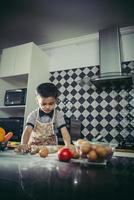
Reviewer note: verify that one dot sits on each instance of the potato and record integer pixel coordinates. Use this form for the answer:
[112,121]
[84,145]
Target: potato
[79,142]
[43,152]
[101,152]
[85,147]
[92,156]
[76,155]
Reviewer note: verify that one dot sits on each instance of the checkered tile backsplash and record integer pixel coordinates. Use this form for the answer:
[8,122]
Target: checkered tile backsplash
[107,110]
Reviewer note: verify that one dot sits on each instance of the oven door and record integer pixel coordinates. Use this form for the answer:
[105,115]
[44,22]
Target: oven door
[14,125]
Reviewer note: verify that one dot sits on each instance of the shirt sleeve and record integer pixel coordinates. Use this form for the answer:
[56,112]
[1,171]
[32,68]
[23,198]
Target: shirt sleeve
[31,118]
[60,121]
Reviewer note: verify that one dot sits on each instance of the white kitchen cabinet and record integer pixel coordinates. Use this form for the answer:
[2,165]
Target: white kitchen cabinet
[23,66]
[16,60]
[23,59]
[7,61]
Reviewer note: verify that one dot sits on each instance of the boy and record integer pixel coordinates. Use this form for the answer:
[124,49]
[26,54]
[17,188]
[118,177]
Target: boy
[42,123]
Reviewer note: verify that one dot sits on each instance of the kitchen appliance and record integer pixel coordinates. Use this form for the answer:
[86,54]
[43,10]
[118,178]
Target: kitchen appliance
[15,97]
[74,127]
[110,59]
[13,124]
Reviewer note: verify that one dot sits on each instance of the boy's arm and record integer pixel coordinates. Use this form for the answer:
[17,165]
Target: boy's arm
[66,136]
[26,135]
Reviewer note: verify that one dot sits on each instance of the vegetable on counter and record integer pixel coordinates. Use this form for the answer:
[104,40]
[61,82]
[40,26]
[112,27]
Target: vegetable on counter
[65,154]
[43,152]
[2,134]
[8,136]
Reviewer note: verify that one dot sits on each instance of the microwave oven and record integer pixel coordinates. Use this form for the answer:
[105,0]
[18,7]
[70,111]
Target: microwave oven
[15,97]
[13,124]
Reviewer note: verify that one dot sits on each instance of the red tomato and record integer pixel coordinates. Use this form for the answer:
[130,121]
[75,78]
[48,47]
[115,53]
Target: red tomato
[65,154]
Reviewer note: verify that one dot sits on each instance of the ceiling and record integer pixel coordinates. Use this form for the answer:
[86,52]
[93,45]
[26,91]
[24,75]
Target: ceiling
[45,21]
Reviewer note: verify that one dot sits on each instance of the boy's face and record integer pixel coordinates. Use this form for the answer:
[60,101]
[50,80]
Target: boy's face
[46,104]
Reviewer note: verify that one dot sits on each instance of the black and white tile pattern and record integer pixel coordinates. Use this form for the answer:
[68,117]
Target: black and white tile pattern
[107,110]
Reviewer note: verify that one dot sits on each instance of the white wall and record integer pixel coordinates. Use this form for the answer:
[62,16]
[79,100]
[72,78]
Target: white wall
[84,51]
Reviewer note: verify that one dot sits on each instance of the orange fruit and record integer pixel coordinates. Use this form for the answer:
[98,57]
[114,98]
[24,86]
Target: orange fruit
[2,131]
[1,137]
[2,134]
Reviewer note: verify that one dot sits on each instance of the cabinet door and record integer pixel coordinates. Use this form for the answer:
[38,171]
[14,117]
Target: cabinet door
[7,62]
[23,59]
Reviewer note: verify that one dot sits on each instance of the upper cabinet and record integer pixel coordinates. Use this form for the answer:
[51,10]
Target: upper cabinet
[16,60]
[7,61]
[23,66]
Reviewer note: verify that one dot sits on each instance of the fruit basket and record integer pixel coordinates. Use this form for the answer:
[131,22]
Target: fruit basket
[96,153]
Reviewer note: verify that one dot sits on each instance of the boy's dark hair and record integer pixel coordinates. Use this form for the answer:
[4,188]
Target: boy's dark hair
[47,90]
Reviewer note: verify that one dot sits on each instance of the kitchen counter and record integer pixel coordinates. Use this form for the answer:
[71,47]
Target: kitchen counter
[124,154]
[32,177]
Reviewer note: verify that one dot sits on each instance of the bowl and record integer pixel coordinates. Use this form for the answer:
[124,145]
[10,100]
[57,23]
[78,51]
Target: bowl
[3,145]
[94,152]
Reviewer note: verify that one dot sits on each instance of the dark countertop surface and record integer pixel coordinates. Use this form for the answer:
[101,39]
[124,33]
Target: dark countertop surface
[32,177]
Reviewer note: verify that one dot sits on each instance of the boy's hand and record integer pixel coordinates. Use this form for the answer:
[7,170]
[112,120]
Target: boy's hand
[23,148]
